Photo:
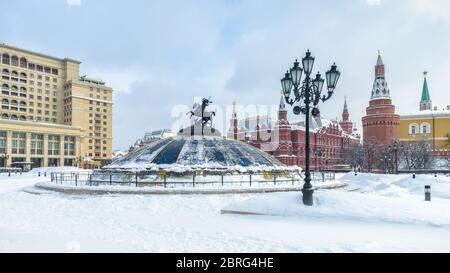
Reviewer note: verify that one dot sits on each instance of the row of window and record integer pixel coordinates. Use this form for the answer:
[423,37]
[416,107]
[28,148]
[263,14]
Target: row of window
[424,128]
[18,144]
[24,118]
[22,62]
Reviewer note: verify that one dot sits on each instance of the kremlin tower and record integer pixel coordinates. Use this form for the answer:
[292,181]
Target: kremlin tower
[381,123]
[284,149]
[233,131]
[346,124]
[425,102]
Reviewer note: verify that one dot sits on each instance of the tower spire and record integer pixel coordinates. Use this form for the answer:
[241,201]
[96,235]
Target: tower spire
[379,60]
[282,104]
[380,89]
[425,102]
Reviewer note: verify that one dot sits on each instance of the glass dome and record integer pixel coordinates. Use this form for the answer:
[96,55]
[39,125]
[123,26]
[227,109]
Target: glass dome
[196,152]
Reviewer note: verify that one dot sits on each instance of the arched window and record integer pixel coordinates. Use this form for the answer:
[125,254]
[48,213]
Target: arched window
[23,62]
[5,116]
[23,89]
[413,128]
[5,87]
[23,118]
[425,128]
[23,75]
[5,101]
[15,60]
[14,102]
[14,74]
[14,88]
[5,58]
[14,117]
[5,72]
[23,104]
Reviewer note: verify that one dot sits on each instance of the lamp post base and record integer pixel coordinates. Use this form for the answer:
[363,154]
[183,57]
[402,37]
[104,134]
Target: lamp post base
[308,197]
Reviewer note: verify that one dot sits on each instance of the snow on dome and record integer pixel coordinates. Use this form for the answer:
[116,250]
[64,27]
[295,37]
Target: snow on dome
[186,153]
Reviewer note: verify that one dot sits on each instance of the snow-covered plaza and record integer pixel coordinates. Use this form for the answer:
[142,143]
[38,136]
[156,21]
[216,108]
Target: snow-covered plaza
[374,213]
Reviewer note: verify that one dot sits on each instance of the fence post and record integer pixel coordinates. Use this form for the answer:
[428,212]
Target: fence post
[45,174]
[293,179]
[136,179]
[165,180]
[76,180]
[250,180]
[222,180]
[90,180]
[193,180]
[275,179]
[39,173]
[110,179]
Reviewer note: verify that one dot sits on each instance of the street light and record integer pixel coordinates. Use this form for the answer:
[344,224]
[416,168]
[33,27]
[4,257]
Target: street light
[385,160]
[394,148]
[307,92]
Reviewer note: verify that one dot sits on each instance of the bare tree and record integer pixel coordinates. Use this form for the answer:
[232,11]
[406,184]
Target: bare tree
[416,155]
[369,151]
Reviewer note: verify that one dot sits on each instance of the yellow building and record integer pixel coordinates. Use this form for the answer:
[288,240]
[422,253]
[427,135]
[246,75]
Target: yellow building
[429,124]
[49,115]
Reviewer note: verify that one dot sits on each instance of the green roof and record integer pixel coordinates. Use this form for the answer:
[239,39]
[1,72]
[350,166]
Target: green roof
[425,92]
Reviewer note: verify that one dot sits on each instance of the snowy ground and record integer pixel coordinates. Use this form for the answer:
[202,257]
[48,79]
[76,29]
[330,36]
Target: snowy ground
[384,213]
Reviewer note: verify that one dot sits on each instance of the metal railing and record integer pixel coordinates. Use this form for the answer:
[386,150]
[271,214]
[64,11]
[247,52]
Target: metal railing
[165,180]
[10,170]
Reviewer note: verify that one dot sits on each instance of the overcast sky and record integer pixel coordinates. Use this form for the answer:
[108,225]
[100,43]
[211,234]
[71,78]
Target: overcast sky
[158,54]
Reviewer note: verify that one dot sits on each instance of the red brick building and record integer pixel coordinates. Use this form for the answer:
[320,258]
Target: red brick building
[286,141]
[381,124]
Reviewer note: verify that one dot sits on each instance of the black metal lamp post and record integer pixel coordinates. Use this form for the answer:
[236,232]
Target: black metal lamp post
[385,160]
[394,148]
[308,94]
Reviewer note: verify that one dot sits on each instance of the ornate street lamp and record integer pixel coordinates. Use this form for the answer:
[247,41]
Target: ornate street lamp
[308,94]
[394,148]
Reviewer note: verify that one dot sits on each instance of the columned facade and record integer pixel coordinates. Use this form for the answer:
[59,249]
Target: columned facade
[39,145]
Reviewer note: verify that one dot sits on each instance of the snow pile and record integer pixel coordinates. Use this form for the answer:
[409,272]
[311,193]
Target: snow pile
[400,185]
[347,206]
[370,220]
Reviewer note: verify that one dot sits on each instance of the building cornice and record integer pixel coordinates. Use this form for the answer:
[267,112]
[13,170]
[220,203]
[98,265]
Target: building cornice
[10,47]
[40,124]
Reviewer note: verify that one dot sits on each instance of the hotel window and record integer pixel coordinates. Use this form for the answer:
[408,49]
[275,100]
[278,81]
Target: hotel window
[3,142]
[37,144]
[40,68]
[53,145]
[69,145]
[23,62]
[15,60]
[54,71]
[47,70]
[32,66]
[5,59]
[18,143]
